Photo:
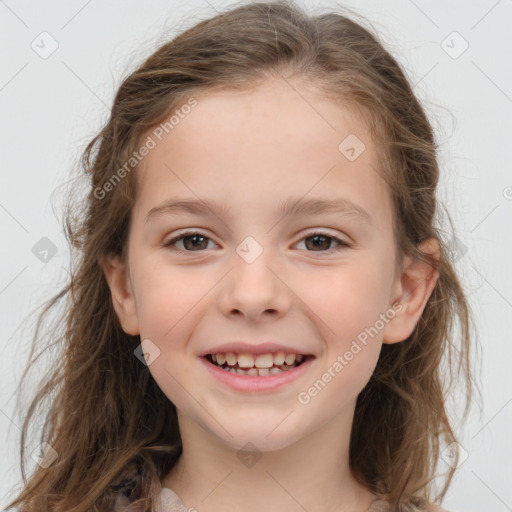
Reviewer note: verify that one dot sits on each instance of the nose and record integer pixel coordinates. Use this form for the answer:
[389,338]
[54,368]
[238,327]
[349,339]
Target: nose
[255,290]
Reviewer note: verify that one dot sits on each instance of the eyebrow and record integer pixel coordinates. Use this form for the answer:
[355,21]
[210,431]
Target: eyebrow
[290,206]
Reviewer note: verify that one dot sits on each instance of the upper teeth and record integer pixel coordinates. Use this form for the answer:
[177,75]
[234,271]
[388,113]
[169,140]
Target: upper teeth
[258,361]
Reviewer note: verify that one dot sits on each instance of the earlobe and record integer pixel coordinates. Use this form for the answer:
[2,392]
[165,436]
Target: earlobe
[121,290]
[412,291]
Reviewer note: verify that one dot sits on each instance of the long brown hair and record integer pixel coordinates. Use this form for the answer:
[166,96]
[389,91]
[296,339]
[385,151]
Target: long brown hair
[114,431]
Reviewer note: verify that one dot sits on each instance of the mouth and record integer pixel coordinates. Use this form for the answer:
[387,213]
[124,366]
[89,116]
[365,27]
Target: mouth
[260,365]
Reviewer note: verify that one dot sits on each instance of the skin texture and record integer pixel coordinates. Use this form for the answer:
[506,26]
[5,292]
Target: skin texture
[249,151]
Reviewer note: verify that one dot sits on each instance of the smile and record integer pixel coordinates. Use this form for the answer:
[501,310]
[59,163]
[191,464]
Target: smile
[256,373]
[256,365]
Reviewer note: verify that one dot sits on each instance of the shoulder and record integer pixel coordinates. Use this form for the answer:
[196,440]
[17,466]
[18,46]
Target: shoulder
[170,501]
[431,507]
[380,505]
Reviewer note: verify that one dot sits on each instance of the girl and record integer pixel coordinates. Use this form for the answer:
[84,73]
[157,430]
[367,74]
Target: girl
[261,300]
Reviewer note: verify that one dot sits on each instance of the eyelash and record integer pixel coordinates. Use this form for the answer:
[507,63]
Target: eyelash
[342,243]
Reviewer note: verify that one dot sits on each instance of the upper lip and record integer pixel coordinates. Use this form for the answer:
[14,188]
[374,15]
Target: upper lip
[256,348]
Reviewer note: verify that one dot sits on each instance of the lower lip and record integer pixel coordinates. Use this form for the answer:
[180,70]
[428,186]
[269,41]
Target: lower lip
[252,384]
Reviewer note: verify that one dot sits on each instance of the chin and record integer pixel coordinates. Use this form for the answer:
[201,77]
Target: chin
[265,436]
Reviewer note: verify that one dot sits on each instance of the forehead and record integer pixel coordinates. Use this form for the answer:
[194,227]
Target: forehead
[281,138]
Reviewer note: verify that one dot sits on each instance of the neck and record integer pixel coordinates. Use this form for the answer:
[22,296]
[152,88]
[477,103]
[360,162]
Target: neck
[312,474]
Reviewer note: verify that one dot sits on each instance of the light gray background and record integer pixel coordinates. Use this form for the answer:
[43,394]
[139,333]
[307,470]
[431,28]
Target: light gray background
[51,107]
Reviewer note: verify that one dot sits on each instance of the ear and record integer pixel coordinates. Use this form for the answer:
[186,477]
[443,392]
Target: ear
[123,299]
[412,290]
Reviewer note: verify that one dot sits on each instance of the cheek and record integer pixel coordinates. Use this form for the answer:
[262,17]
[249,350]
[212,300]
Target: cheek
[168,308]
[170,374]
[348,299]
[347,305]
[167,298]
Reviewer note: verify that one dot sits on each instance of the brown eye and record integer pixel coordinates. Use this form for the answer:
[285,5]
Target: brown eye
[318,242]
[191,242]
[321,242]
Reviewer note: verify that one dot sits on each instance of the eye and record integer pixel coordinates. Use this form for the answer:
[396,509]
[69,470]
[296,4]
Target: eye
[192,242]
[321,241]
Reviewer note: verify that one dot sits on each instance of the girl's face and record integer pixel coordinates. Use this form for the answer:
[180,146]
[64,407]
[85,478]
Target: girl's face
[248,175]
